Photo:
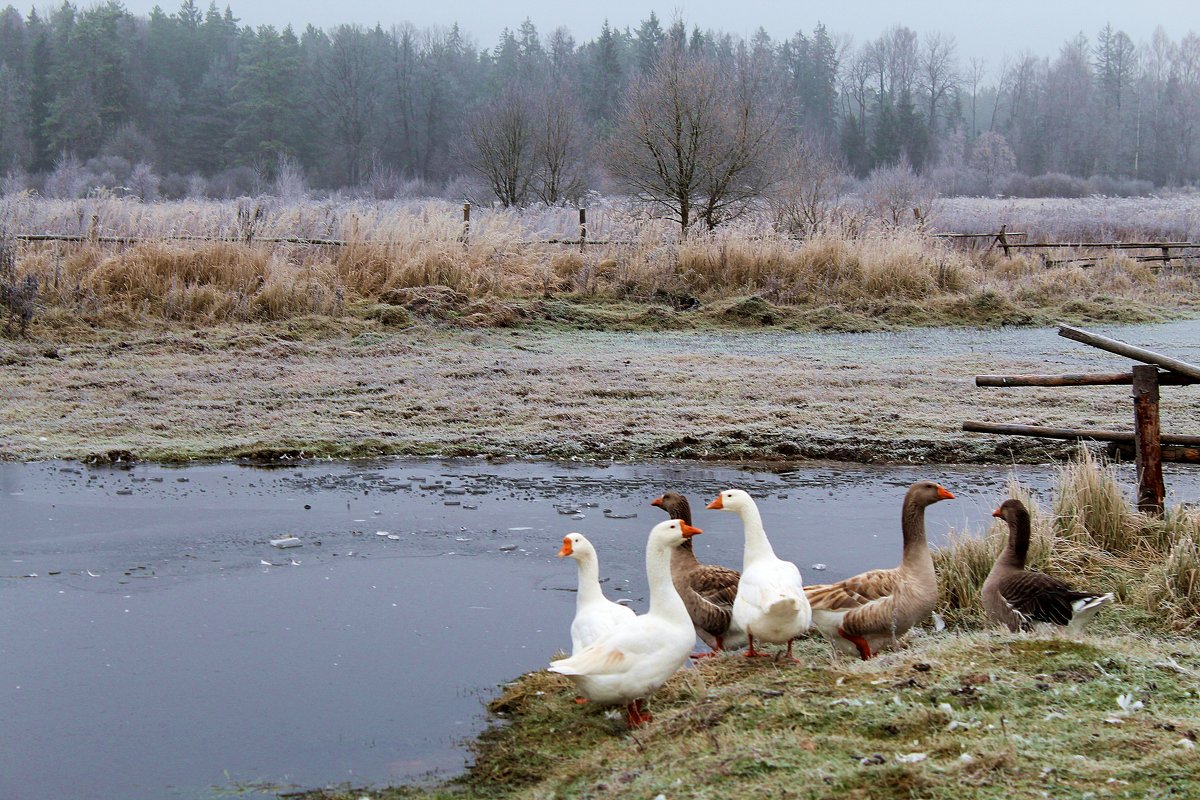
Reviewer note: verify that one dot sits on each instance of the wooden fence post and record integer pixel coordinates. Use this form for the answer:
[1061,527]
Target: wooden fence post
[1003,239]
[466,228]
[582,229]
[1146,440]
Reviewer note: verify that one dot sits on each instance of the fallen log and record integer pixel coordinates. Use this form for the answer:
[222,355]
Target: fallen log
[1080,379]
[1129,351]
[1046,432]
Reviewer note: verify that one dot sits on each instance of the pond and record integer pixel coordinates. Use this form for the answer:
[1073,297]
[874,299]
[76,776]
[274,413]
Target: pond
[154,643]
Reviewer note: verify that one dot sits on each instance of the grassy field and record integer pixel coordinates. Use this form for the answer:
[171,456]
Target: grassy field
[405,341]
[320,387]
[960,713]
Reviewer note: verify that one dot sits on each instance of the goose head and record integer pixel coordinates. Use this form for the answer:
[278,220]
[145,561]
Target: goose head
[1012,512]
[676,506]
[926,493]
[576,546]
[672,533]
[732,500]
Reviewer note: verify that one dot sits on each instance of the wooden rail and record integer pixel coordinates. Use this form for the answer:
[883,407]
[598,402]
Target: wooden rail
[1073,434]
[1081,379]
[1129,351]
[1149,446]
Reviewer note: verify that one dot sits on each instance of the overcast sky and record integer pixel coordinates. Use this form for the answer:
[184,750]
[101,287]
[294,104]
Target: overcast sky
[989,30]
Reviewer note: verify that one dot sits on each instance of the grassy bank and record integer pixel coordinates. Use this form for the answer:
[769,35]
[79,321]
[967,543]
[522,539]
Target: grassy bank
[960,713]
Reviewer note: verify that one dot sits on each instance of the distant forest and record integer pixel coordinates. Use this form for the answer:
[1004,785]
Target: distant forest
[192,102]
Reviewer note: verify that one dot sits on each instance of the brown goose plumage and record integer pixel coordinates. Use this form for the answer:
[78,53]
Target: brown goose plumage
[867,612]
[707,590]
[1021,598]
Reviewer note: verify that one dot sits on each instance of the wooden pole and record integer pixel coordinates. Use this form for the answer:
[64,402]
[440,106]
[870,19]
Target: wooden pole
[466,228]
[1046,432]
[1146,439]
[1002,239]
[1129,351]
[582,229]
[1082,379]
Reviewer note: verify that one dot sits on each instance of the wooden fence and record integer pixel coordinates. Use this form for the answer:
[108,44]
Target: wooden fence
[1146,443]
[1004,239]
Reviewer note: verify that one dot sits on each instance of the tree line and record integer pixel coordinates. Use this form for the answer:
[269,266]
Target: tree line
[189,101]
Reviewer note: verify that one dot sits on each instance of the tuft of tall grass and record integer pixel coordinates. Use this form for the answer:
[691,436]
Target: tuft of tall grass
[1174,586]
[1091,510]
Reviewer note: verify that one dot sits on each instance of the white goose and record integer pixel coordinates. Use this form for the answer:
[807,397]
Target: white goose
[595,615]
[770,605]
[638,655]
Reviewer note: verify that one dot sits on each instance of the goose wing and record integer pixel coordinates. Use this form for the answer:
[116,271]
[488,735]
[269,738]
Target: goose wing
[1038,597]
[709,601]
[853,592]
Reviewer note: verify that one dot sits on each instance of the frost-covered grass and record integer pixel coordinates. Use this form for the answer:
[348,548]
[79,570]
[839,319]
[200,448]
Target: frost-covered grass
[1174,217]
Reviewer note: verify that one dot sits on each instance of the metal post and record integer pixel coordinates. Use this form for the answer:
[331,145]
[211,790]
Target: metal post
[1146,440]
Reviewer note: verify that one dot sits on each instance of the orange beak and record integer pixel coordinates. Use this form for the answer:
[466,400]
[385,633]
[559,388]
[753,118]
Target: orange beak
[688,530]
[716,505]
[656,502]
[566,548]
[996,513]
[943,494]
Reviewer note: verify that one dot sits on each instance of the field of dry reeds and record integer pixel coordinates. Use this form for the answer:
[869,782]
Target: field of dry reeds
[197,263]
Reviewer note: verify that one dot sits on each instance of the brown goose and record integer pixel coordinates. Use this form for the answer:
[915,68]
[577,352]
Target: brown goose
[707,590]
[869,611]
[1021,598]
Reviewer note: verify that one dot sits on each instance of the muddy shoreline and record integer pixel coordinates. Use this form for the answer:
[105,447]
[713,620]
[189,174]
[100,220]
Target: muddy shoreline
[268,393]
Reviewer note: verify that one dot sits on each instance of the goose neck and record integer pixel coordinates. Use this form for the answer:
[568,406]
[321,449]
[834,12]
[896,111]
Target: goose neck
[664,598]
[757,544]
[916,548]
[1017,550]
[589,581]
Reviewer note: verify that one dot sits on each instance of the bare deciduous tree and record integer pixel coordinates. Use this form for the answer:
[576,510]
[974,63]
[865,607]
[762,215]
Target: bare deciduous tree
[897,193]
[502,146]
[993,158]
[807,196]
[560,158]
[693,139]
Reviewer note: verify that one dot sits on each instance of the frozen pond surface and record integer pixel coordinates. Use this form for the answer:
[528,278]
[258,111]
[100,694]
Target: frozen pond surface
[166,649]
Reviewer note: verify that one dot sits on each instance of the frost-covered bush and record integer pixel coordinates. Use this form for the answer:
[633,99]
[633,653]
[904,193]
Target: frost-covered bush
[67,181]
[143,183]
[893,194]
[235,182]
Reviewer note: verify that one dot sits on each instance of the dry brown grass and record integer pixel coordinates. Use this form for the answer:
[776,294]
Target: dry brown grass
[880,275]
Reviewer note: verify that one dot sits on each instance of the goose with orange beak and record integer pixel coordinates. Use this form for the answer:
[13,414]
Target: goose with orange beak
[630,662]
[1023,599]
[770,605]
[595,614]
[870,611]
[708,590]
